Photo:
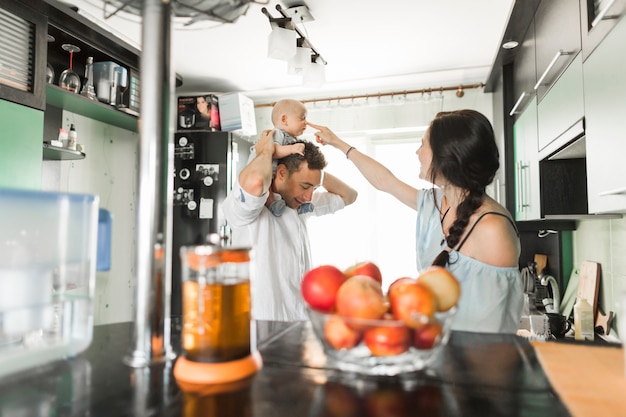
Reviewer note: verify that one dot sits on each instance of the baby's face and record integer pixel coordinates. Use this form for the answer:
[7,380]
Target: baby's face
[295,122]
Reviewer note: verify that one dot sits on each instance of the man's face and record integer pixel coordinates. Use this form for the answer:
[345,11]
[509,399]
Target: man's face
[297,188]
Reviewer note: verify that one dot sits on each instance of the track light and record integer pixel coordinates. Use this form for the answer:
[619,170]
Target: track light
[288,43]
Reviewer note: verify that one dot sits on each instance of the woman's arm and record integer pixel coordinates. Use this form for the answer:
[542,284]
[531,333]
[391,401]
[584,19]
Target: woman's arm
[376,173]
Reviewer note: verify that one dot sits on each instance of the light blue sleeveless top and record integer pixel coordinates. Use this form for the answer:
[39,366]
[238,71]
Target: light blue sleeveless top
[491,296]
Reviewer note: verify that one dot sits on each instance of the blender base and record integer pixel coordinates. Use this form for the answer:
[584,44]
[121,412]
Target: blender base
[193,376]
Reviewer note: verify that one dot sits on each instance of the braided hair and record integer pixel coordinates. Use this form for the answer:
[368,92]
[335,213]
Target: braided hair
[464,153]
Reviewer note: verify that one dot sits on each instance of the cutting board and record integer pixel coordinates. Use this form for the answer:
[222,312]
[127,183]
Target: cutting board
[588,284]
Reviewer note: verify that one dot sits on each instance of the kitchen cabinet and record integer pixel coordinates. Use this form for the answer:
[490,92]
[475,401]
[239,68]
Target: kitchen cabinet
[561,109]
[527,201]
[557,41]
[524,73]
[597,19]
[605,110]
[23,57]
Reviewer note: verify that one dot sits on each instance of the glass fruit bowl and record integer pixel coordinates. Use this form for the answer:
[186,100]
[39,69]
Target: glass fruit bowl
[381,347]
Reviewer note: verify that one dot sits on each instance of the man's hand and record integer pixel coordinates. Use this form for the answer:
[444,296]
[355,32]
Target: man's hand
[256,177]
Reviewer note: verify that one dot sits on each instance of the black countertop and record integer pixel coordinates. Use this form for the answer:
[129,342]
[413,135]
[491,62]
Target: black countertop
[476,375]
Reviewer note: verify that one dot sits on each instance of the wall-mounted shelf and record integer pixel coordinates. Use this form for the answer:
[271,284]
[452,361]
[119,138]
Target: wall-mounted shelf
[96,110]
[54,153]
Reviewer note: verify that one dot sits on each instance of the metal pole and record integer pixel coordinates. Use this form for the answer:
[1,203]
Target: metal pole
[151,333]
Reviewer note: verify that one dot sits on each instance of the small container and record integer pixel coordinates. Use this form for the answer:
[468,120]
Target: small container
[216,334]
[583,320]
[47,276]
[71,141]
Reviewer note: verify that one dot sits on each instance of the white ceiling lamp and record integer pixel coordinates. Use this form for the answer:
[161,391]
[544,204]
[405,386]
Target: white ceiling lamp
[300,61]
[314,74]
[282,43]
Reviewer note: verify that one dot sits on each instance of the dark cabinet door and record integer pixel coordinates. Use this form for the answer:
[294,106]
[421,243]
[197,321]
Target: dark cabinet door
[557,40]
[524,73]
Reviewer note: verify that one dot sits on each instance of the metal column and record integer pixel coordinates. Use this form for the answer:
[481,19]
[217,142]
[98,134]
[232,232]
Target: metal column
[151,334]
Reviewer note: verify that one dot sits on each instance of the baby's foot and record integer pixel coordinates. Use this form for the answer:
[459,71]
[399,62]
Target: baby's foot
[306,208]
[277,205]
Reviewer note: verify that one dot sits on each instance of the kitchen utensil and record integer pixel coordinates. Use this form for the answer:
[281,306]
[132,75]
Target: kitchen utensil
[604,321]
[216,317]
[569,298]
[589,284]
[559,325]
[68,79]
[386,335]
[540,261]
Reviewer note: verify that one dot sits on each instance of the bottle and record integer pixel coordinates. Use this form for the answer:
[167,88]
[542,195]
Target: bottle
[88,89]
[71,143]
[583,320]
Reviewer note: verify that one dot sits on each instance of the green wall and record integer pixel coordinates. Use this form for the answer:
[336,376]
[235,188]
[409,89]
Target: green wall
[21,151]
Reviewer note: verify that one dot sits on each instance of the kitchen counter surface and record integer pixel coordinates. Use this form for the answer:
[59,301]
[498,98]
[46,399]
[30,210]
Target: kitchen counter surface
[477,375]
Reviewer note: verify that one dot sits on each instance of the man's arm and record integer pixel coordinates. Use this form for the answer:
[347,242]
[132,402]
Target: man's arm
[256,177]
[334,185]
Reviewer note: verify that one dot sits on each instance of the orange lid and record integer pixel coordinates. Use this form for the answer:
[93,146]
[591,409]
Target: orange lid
[195,376]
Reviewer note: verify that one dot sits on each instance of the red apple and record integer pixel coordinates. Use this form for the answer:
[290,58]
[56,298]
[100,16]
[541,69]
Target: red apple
[320,285]
[443,284]
[399,283]
[365,268]
[361,297]
[412,303]
[339,335]
[427,336]
[387,340]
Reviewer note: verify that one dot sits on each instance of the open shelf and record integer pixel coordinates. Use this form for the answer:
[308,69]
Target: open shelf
[54,153]
[75,103]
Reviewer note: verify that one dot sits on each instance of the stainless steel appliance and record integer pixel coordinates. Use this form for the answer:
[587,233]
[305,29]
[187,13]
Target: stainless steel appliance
[206,164]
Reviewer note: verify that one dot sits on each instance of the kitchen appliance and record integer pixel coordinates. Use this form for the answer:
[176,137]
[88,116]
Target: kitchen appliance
[206,165]
[48,245]
[216,331]
[110,79]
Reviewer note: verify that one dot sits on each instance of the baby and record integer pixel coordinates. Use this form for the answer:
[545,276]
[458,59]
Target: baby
[289,120]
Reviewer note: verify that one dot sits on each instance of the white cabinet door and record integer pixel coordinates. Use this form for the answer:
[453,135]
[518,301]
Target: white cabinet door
[527,201]
[605,116]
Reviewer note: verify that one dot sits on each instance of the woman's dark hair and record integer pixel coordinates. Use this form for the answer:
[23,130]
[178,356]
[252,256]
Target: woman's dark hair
[312,155]
[466,155]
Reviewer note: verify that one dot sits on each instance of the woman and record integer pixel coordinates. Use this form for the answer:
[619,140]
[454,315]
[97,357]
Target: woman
[458,225]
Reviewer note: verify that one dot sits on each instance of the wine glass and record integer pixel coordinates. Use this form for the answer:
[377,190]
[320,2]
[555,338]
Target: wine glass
[49,69]
[122,85]
[69,80]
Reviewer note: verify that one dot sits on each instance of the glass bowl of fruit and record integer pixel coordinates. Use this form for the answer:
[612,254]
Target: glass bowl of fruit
[366,331]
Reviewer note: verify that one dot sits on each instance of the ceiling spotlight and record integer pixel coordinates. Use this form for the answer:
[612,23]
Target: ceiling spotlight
[460,92]
[510,44]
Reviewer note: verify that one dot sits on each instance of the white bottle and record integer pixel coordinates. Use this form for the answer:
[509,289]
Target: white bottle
[71,143]
[583,320]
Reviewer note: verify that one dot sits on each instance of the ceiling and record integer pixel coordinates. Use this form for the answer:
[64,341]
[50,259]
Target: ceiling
[370,47]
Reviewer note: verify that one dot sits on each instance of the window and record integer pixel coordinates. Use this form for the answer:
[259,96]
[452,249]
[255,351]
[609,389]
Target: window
[377,227]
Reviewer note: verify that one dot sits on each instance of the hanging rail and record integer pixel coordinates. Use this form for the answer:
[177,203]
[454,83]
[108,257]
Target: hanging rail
[458,88]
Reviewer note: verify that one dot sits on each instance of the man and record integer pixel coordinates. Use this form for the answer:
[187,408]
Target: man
[282,252]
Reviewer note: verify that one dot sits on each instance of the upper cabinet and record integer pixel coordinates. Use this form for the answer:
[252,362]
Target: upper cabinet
[22,54]
[597,18]
[557,41]
[524,74]
[605,114]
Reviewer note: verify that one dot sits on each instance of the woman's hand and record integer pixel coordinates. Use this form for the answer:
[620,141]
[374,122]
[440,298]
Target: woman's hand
[325,136]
